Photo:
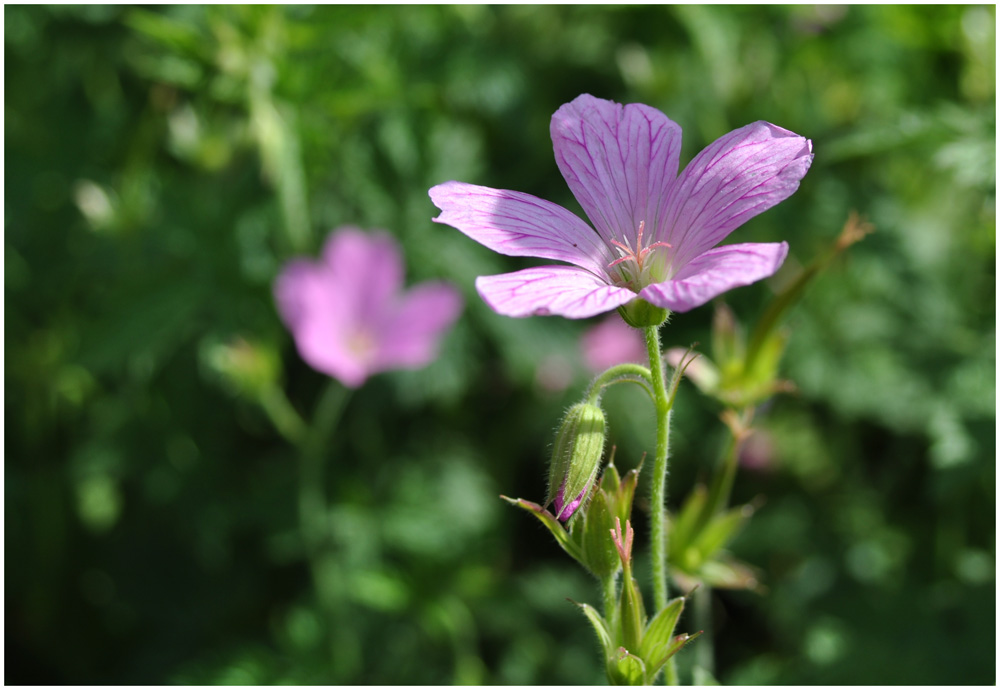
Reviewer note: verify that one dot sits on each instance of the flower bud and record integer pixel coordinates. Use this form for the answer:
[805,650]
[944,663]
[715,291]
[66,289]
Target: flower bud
[576,458]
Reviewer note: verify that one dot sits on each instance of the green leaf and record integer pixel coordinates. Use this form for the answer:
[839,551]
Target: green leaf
[657,640]
[684,527]
[726,572]
[720,531]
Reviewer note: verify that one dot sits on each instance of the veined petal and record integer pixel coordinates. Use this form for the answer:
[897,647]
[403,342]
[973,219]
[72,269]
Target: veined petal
[551,290]
[715,272]
[618,161]
[738,176]
[518,224]
[409,335]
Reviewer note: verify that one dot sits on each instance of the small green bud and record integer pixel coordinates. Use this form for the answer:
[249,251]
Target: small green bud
[576,458]
[639,313]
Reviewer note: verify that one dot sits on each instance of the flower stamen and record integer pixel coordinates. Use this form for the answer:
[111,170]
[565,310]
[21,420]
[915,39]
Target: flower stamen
[636,255]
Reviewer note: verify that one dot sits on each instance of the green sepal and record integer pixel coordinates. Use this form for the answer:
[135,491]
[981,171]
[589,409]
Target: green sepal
[598,548]
[624,668]
[677,644]
[631,613]
[619,491]
[610,479]
[626,492]
[639,313]
[550,521]
[659,632]
[601,628]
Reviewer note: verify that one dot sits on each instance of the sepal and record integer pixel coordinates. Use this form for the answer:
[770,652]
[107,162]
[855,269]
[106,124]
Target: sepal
[553,525]
[625,668]
[639,313]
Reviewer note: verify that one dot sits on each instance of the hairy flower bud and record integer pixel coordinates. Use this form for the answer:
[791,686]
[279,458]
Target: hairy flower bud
[576,458]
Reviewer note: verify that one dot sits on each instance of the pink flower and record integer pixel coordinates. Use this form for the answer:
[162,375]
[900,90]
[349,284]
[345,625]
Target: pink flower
[653,230]
[348,315]
[612,342]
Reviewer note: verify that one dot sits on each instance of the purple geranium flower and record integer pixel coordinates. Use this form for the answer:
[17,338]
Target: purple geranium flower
[655,229]
[348,315]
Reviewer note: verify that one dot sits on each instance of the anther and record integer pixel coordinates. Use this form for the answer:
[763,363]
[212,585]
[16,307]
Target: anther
[632,254]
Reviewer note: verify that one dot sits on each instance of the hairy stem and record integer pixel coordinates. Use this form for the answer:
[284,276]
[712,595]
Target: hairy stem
[658,545]
[634,373]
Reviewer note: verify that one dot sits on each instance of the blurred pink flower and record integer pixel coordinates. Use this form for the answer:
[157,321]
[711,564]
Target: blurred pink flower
[348,313]
[612,342]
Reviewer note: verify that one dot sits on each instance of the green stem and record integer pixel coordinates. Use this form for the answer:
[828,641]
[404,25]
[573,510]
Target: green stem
[283,415]
[313,513]
[634,373]
[658,496]
[704,649]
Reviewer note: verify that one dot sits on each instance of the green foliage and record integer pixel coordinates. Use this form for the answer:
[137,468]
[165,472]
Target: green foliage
[163,162]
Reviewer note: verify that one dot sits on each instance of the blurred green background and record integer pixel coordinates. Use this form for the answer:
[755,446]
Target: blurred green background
[162,163]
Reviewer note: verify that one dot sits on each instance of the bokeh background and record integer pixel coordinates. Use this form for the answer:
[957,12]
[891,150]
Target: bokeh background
[162,163]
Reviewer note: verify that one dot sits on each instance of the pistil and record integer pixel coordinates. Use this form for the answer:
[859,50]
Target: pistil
[638,255]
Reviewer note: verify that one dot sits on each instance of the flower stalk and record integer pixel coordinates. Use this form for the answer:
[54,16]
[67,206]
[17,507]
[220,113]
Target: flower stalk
[663,405]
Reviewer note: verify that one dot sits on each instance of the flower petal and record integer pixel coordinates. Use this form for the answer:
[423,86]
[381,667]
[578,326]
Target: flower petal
[410,333]
[715,272]
[321,321]
[518,224]
[367,267]
[618,161]
[738,176]
[556,290]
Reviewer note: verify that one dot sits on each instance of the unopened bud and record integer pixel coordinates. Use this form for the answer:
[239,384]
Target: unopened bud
[576,458]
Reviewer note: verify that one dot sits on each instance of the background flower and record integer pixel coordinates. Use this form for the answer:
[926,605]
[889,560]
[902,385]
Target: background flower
[347,312]
[610,342]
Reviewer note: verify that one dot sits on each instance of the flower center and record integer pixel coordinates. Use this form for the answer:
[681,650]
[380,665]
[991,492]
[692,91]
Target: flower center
[361,345]
[636,268]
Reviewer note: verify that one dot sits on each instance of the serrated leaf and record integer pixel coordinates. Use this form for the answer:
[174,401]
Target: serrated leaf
[660,630]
